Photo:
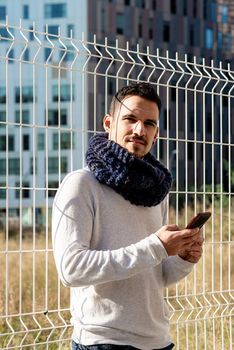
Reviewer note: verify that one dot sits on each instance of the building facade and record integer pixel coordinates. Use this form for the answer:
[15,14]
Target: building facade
[33,160]
[40,107]
[198,28]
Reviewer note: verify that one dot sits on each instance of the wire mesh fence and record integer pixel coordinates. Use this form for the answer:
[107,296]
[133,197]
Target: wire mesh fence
[54,91]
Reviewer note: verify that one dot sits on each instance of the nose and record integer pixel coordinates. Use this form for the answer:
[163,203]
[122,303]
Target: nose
[139,128]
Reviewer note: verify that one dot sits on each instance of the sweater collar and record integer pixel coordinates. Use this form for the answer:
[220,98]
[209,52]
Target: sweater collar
[142,181]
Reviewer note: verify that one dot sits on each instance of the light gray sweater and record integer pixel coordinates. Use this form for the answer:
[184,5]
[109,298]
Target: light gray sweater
[106,250]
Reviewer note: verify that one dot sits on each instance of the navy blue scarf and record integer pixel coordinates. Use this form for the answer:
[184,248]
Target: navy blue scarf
[142,181]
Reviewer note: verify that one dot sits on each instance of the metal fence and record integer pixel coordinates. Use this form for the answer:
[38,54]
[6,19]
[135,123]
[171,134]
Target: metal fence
[54,91]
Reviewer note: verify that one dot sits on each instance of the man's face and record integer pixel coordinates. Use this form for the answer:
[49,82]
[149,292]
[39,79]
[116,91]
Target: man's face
[134,124]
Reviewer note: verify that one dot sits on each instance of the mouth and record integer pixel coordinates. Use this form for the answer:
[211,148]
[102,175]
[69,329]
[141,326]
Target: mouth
[137,141]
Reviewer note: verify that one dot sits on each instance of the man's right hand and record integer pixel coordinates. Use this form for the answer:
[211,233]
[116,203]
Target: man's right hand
[177,241]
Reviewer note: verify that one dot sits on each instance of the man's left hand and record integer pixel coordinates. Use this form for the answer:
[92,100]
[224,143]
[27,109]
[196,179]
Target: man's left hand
[194,254]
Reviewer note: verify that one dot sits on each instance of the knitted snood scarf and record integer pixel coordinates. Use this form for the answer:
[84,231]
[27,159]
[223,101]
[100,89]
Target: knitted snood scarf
[142,181]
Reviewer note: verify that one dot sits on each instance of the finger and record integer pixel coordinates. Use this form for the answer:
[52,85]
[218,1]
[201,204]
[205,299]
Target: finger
[188,233]
[195,256]
[188,245]
[196,251]
[192,247]
[189,240]
[172,228]
[196,246]
[199,240]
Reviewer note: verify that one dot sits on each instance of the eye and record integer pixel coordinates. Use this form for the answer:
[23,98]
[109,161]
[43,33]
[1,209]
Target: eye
[129,118]
[150,123]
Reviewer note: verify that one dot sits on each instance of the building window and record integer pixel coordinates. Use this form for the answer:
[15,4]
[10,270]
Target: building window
[69,53]
[14,166]
[191,35]
[151,30]
[185,7]
[26,142]
[47,52]
[161,151]
[11,55]
[166,115]
[3,166]
[53,165]
[65,93]
[205,9]
[55,10]
[25,190]
[24,115]
[140,30]
[209,123]
[213,12]
[27,94]
[2,119]
[191,122]
[2,12]
[30,33]
[71,30]
[52,30]
[127,2]
[119,23]
[103,21]
[52,188]
[166,32]
[53,117]
[11,143]
[55,141]
[2,95]
[40,142]
[209,38]
[190,151]
[228,40]
[4,35]
[173,6]
[140,3]
[26,55]
[224,13]
[2,190]
[220,40]
[110,87]
[154,4]
[65,141]
[31,166]
[194,8]
[173,93]
[25,11]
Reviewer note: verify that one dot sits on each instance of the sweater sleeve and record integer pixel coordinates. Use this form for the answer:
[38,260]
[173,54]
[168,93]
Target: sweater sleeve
[174,268]
[72,226]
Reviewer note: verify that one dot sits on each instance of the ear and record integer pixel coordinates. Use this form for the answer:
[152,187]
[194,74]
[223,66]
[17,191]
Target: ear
[107,121]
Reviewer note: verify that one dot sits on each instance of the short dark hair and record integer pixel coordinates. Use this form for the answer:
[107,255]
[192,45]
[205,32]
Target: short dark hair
[145,90]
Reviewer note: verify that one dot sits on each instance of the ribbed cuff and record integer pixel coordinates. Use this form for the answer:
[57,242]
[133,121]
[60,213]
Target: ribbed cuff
[157,248]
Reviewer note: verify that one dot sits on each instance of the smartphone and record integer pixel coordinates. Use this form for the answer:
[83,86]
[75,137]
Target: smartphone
[199,220]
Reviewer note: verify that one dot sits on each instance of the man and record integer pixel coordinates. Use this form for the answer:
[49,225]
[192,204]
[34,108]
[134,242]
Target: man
[110,245]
